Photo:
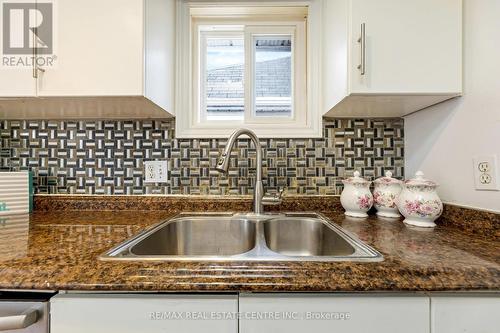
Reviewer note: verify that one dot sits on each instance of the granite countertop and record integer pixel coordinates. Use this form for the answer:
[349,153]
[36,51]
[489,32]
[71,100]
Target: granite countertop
[58,250]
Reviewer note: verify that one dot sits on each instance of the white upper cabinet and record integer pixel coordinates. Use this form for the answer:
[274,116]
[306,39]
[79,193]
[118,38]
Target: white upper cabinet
[17,82]
[104,49]
[99,49]
[389,58]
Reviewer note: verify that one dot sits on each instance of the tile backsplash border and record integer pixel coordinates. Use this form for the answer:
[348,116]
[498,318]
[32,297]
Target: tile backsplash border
[106,157]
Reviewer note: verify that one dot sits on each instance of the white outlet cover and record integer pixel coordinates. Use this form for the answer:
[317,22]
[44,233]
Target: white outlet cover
[486,173]
[155,171]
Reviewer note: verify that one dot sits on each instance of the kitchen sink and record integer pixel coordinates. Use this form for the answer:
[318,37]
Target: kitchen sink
[304,237]
[198,236]
[244,237]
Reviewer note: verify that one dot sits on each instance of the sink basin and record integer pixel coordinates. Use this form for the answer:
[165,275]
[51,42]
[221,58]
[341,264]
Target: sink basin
[244,237]
[296,236]
[221,236]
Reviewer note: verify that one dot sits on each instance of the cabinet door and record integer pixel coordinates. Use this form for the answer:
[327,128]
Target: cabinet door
[411,46]
[16,74]
[326,313]
[99,49]
[17,82]
[143,313]
[478,314]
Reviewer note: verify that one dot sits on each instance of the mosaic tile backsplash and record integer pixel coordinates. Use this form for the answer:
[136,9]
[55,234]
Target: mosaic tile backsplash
[106,157]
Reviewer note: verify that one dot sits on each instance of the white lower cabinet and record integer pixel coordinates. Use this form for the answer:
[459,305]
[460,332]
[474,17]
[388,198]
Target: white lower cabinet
[127,313]
[294,313]
[475,314]
[272,313]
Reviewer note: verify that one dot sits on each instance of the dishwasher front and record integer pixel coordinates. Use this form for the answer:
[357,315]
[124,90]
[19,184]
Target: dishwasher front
[24,312]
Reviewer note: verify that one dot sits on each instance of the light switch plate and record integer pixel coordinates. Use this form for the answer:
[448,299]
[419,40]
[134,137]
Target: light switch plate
[486,173]
[155,171]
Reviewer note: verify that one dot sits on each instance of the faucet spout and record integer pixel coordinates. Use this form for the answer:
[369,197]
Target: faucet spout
[223,165]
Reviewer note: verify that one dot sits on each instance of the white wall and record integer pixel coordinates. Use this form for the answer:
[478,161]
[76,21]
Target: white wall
[442,140]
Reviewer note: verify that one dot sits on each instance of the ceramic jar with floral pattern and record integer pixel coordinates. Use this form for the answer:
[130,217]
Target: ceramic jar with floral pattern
[385,194]
[419,202]
[356,197]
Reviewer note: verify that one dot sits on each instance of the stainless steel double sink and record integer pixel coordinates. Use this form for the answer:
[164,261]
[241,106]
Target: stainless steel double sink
[244,237]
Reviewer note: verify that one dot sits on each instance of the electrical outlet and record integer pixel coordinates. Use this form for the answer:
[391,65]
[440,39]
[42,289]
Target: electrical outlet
[149,171]
[155,171]
[486,173]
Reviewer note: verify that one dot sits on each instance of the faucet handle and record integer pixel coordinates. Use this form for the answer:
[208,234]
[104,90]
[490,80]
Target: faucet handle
[273,199]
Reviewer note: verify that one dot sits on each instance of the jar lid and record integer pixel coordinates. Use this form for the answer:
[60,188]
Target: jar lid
[388,179]
[357,179]
[419,180]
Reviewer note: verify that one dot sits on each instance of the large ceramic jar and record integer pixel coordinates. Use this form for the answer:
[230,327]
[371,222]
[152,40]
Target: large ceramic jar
[385,194]
[419,202]
[356,197]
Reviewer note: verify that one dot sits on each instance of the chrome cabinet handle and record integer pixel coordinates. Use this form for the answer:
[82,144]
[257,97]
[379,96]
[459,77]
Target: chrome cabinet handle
[362,41]
[35,72]
[36,69]
[23,320]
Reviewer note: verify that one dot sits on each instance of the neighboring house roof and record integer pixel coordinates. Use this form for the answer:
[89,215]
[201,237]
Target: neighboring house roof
[225,88]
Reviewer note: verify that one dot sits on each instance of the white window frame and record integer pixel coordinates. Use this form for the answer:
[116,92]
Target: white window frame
[306,118]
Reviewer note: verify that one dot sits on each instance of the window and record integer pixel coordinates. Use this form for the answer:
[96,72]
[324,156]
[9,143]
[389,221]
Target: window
[272,75]
[222,67]
[246,73]
[247,67]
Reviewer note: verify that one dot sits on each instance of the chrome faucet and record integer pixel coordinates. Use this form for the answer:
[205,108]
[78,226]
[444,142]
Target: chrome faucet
[259,199]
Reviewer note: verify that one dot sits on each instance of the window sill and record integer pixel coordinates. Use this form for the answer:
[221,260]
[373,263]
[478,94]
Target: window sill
[261,130]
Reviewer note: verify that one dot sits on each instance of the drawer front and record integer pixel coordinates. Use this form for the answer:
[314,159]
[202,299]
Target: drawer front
[24,317]
[346,314]
[143,313]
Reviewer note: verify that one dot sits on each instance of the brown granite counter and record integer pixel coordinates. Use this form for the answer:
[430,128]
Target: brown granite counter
[58,250]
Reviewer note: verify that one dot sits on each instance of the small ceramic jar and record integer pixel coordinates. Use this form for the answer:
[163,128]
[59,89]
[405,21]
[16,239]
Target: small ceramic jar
[356,197]
[419,202]
[385,194]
